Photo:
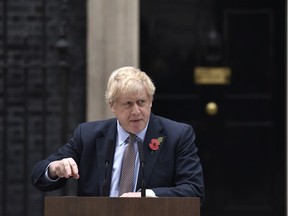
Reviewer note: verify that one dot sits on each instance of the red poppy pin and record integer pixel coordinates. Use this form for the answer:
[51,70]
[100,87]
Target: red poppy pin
[155,144]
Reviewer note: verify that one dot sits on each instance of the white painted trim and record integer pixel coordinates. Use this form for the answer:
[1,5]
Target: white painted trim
[112,42]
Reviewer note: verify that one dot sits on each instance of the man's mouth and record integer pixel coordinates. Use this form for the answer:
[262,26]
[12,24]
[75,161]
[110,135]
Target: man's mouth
[136,120]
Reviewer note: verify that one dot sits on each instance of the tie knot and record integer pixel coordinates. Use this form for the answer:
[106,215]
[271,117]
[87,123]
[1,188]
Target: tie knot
[132,138]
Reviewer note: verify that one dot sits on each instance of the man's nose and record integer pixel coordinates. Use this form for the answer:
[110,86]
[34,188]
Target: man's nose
[135,109]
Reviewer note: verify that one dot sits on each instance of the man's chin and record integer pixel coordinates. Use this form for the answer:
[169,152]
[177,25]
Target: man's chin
[136,128]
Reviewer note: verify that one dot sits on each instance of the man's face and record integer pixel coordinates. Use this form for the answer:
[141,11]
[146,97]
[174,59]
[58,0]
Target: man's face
[132,111]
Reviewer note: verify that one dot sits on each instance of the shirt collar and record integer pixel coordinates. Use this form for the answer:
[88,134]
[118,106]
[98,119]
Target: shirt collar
[123,135]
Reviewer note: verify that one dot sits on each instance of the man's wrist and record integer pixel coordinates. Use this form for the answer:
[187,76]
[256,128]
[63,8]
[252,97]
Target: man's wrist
[48,177]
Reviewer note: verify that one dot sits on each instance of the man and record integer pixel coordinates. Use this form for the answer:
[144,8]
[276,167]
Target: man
[95,154]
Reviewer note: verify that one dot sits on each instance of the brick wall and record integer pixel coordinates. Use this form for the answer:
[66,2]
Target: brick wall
[42,92]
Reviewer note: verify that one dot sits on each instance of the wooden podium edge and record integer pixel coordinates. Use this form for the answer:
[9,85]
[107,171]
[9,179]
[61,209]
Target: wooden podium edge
[114,206]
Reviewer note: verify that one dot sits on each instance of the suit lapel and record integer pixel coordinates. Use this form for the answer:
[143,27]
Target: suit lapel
[102,143]
[153,132]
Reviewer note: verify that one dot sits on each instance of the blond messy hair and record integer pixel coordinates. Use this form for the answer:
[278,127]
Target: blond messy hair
[128,80]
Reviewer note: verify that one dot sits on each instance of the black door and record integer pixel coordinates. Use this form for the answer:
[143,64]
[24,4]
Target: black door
[220,66]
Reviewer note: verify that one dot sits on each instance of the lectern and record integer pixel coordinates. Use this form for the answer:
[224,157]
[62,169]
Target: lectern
[106,206]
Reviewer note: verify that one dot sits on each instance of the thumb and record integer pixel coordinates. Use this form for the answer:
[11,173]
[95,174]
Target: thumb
[75,176]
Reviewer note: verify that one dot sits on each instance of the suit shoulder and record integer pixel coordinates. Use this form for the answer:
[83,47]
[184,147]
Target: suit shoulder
[97,126]
[171,121]
[98,123]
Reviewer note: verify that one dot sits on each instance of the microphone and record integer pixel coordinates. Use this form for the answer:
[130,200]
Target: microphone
[142,165]
[109,155]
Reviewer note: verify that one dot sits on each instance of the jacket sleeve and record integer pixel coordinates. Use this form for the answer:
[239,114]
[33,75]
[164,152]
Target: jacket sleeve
[40,181]
[70,149]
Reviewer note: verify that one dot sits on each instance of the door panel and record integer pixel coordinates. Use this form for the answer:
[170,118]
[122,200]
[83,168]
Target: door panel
[242,146]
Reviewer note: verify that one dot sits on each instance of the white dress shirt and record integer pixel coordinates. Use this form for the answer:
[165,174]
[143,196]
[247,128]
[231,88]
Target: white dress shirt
[121,143]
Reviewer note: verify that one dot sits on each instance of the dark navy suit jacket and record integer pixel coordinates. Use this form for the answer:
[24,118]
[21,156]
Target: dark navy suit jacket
[173,170]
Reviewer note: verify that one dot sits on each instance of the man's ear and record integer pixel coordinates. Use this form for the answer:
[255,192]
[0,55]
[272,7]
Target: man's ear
[111,105]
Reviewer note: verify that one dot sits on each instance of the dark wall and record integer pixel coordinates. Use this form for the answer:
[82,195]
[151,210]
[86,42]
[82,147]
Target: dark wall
[42,92]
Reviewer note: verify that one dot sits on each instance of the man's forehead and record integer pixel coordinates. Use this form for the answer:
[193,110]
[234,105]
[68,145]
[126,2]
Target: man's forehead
[133,96]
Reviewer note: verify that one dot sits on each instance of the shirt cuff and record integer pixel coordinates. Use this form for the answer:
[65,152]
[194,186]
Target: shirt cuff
[47,178]
[150,193]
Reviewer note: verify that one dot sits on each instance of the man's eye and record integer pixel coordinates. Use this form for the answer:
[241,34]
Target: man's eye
[140,102]
[128,103]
